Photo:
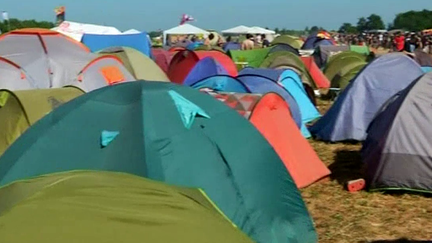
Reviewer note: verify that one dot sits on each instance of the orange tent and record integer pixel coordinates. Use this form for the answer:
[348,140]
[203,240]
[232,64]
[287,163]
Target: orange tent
[270,114]
[183,62]
[320,79]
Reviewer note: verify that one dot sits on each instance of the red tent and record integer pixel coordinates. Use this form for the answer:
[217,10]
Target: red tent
[320,79]
[270,114]
[183,62]
[162,58]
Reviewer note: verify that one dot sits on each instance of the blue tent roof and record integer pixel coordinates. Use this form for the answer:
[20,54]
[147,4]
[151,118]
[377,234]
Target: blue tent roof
[231,46]
[205,68]
[192,46]
[263,85]
[222,83]
[426,69]
[313,41]
[139,42]
[273,74]
[357,105]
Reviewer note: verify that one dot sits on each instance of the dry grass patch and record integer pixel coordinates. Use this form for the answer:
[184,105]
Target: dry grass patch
[341,216]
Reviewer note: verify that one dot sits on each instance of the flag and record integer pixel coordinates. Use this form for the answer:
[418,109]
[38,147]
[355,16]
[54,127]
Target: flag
[5,16]
[186,18]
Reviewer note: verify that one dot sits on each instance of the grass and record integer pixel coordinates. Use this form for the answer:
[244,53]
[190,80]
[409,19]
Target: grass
[341,216]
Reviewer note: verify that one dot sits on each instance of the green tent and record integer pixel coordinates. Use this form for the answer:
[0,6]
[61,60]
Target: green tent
[360,49]
[346,54]
[21,109]
[346,74]
[289,40]
[253,58]
[104,207]
[338,63]
[174,134]
[138,64]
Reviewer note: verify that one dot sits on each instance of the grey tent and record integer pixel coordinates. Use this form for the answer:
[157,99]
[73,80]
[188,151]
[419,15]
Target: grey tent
[397,150]
[323,53]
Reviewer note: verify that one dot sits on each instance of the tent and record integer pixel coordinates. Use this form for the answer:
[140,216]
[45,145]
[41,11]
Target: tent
[76,30]
[183,62]
[252,58]
[175,134]
[287,40]
[131,31]
[291,81]
[284,47]
[317,75]
[320,38]
[103,207]
[397,150]
[348,119]
[21,109]
[323,53]
[259,30]
[139,65]
[162,58]
[261,85]
[241,29]
[341,60]
[346,74]
[228,46]
[205,68]
[422,58]
[184,29]
[14,77]
[224,83]
[140,42]
[360,49]
[270,114]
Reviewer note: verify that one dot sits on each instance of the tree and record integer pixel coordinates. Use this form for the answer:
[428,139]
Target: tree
[362,24]
[19,24]
[413,20]
[314,29]
[348,28]
[277,30]
[375,22]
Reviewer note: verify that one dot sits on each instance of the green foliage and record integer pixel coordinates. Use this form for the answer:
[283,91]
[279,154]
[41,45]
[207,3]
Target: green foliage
[14,24]
[375,22]
[348,28]
[413,20]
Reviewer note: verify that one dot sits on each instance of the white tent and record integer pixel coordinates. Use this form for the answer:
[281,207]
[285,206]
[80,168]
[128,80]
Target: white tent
[259,30]
[77,30]
[132,31]
[241,29]
[184,29]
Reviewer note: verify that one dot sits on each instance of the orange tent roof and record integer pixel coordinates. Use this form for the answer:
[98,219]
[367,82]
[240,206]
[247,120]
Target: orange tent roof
[320,79]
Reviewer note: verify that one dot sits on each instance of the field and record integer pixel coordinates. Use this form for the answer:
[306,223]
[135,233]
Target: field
[341,216]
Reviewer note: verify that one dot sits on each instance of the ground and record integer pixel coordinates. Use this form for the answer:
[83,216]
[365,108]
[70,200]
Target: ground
[341,216]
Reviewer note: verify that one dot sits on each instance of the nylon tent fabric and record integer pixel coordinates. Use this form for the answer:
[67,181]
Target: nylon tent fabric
[288,40]
[138,41]
[162,58]
[192,46]
[346,74]
[339,62]
[422,58]
[270,114]
[312,42]
[211,154]
[223,83]
[84,206]
[348,119]
[13,77]
[323,53]
[360,49]
[51,59]
[21,109]
[426,69]
[317,75]
[184,61]
[103,71]
[139,65]
[231,46]
[205,68]
[284,47]
[262,85]
[344,55]
[396,152]
[253,58]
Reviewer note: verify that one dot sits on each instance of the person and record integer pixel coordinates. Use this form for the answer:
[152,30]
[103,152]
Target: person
[248,44]
[399,42]
[209,39]
[265,42]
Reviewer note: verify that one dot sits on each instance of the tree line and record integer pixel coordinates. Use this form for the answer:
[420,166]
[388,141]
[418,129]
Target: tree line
[13,24]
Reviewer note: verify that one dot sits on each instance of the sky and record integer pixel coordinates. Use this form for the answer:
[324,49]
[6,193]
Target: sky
[148,15]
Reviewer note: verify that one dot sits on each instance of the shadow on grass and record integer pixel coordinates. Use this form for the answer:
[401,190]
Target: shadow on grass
[397,241]
[347,166]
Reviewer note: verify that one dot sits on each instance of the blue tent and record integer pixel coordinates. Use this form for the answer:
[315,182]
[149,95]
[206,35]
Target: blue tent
[192,46]
[231,46]
[139,42]
[205,68]
[355,108]
[426,69]
[291,81]
[262,85]
[313,41]
[222,83]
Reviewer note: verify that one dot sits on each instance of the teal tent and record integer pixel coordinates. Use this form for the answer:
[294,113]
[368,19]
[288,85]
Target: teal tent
[173,134]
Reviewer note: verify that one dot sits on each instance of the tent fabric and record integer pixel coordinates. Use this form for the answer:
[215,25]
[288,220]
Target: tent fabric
[139,65]
[137,209]
[138,42]
[314,40]
[231,46]
[323,53]
[224,83]
[284,47]
[270,114]
[103,71]
[21,109]
[317,75]
[360,49]
[241,29]
[426,69]
[262,85]
[346,74]
[184,61]
[184,29]
[348,119]
[76,30]
[344,55]
[339,61]
[13,77]
[288,40]
[51,59]
[205,68]
[396,152]
[422,58]
[253,58]
[162,58]
[154,143]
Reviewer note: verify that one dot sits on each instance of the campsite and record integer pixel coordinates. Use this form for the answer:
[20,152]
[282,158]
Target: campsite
[191,134]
